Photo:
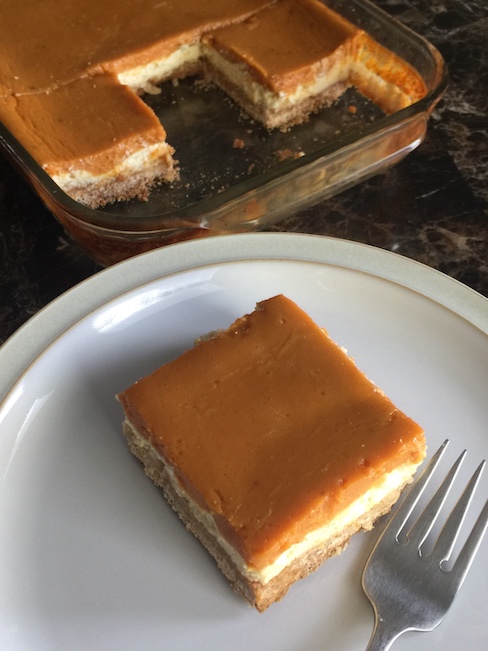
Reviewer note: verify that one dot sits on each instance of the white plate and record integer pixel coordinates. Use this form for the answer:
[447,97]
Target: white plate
[91,557]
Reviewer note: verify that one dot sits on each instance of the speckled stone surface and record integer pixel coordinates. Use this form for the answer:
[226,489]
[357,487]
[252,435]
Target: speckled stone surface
[432,206]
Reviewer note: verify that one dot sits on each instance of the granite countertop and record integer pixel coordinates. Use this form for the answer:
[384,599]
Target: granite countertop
[432,206]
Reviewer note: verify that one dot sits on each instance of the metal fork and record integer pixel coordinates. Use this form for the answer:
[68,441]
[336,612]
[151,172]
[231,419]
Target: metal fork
[411,590]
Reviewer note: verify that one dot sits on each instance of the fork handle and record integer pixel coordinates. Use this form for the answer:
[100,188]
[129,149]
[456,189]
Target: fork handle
[383,636]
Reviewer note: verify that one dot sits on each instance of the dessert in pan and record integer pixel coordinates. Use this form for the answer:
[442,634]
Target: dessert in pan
[72,92]
[271,445]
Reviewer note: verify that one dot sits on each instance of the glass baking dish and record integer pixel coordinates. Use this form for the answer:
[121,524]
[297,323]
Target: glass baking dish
[235,175]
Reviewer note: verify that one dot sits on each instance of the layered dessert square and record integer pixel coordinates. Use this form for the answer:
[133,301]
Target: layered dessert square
[297,56]
[97,139]
[271,446]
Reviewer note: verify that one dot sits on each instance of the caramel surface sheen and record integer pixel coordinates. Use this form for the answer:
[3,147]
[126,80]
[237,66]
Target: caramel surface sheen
[271,427]
[282,42]
[48,43]
[84,129]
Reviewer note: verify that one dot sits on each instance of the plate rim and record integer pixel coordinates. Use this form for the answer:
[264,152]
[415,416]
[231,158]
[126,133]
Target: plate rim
[22,348]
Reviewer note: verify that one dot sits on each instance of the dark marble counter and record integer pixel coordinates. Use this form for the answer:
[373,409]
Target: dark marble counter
[432,207]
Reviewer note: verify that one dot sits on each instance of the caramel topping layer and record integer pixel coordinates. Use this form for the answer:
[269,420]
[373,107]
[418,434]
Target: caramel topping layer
[271,427]
[285,44]
[52,42]
[90,123]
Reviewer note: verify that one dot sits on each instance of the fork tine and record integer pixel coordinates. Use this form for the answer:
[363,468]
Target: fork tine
[409,502]
[411,592]
[469,550]
[426,520]
[450,532]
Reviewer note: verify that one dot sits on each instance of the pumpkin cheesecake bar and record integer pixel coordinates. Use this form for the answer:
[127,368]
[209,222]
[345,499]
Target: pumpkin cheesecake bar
[297,56]
[95,153]
[271,446]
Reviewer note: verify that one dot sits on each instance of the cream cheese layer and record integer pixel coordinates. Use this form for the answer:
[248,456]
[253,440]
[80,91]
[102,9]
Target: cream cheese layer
[316,538]
[273,100]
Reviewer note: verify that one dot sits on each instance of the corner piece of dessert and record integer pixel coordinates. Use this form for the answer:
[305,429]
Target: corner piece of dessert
[271,446]
[294,57]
